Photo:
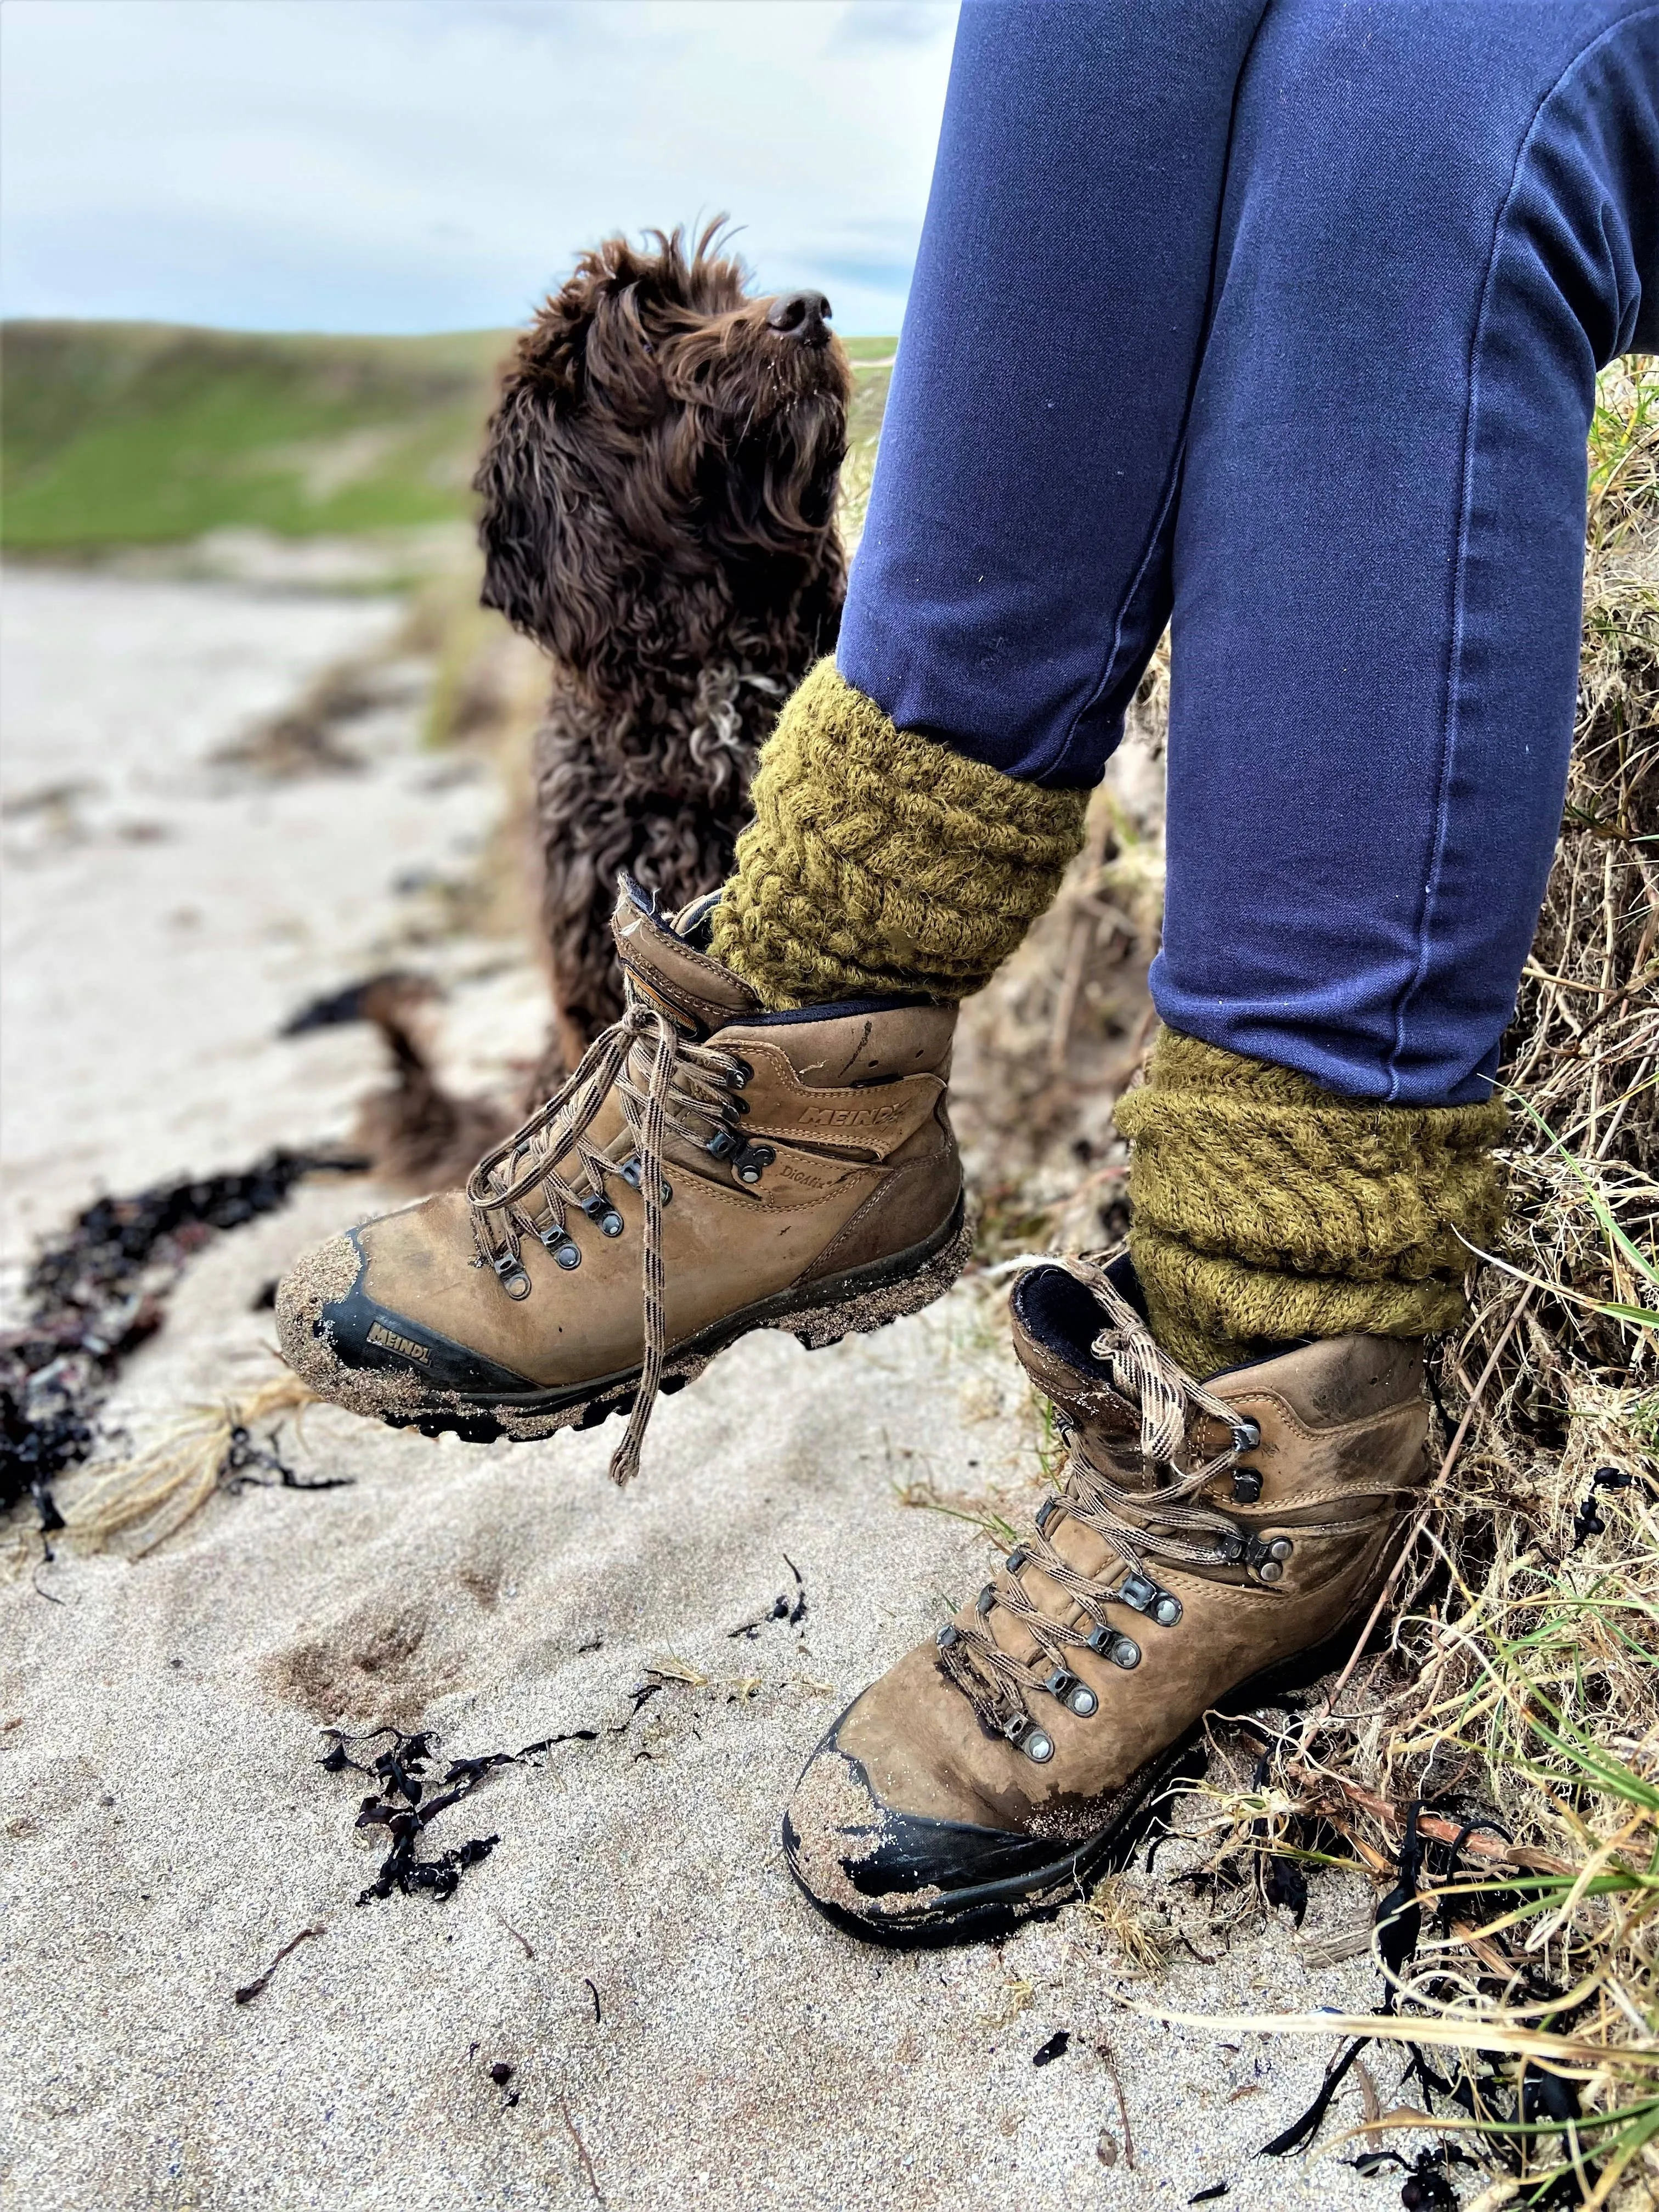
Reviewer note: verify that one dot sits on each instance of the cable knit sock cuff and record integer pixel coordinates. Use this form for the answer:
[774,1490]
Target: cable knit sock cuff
[1268,1208]
[879,860]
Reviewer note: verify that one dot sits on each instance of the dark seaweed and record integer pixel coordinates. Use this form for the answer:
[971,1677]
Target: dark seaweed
[1301,2132]
[1588,1521]
[244,1455]
[1399,1916]
[1284,1883]
[1428,2191]
[400,1803]
[94,1297]
[257,1987]
[1483,2087]
[789,1606]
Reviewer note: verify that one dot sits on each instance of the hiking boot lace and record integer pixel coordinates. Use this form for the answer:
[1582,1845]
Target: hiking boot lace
[549,1168]
[1140,1526]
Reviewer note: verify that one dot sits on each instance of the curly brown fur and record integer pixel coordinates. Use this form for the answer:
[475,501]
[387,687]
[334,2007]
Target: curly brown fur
[660,487]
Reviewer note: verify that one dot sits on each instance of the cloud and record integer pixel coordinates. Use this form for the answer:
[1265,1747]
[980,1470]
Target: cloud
[431,164]
[894,23]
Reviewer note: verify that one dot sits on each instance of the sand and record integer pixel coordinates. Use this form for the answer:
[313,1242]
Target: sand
[683,2029]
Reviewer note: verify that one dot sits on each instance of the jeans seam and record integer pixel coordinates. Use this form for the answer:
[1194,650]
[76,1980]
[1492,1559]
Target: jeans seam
[1414,981]
[1103,683]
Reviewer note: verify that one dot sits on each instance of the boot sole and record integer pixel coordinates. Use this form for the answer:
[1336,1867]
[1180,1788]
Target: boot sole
[986,1911]
[817,1313]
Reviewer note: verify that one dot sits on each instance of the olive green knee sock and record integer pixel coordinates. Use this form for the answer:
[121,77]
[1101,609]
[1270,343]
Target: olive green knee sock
[1268,1208]
[879,860]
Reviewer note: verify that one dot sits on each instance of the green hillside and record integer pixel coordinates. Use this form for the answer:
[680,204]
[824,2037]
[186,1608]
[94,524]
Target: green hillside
[123,433]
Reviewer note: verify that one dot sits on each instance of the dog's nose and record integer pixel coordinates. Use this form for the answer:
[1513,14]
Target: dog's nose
[803,315]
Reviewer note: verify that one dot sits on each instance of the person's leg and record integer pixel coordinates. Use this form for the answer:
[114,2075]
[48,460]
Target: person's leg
[1013,575]
[1440,216]
[1381,535]
[1441,219]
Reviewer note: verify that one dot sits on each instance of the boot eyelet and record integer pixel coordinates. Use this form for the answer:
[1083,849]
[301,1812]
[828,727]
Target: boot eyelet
[601,1210]
[947,1636]
[510,1274]
[740,1075]
[633,1175]
[1076,1696]
[1247,1435]
[1162,1605]
[752,1162]
[1267,1555]
[567,1253]
[1122,1651]
[985,1600]
[723,1143]
[1016,1559]
[1246,1486]
[1231,1549]
[1045,1512]
[1025,1736]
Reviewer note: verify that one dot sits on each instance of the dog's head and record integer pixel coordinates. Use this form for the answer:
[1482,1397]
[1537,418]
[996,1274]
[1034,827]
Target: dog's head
[659,430]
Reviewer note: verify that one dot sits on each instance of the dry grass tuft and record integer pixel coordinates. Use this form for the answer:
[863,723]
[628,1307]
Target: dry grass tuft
[134,1504]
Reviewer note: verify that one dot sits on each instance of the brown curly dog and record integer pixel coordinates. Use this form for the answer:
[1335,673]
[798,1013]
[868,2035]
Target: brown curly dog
[658,486]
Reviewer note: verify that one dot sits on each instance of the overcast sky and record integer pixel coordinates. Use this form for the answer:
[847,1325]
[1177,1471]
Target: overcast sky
[425,165]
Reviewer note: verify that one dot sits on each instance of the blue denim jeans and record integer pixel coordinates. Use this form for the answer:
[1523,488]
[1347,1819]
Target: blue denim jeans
[1281,321]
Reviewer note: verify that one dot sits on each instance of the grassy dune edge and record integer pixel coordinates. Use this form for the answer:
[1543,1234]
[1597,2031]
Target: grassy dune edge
[146,433]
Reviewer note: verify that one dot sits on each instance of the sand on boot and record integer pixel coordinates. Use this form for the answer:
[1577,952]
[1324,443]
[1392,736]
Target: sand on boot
[628,2000]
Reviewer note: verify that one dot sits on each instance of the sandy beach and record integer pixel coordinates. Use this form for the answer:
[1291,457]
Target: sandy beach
[681,2029]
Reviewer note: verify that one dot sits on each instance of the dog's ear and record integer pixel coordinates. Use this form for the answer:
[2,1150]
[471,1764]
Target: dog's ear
[533,574]
[521,522]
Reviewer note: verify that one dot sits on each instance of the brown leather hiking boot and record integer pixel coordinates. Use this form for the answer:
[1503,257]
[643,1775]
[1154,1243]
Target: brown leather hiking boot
[707,1169]
[1209,1546]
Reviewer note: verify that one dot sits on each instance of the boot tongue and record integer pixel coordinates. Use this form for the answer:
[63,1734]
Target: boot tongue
[699,995]
[1055,1323]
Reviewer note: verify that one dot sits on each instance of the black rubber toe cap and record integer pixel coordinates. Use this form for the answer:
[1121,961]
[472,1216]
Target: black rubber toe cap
[903,1878]
[360,1332]
[906,1880]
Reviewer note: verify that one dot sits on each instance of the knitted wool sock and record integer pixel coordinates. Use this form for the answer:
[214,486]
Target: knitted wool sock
[879,860]
[1268,1208]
